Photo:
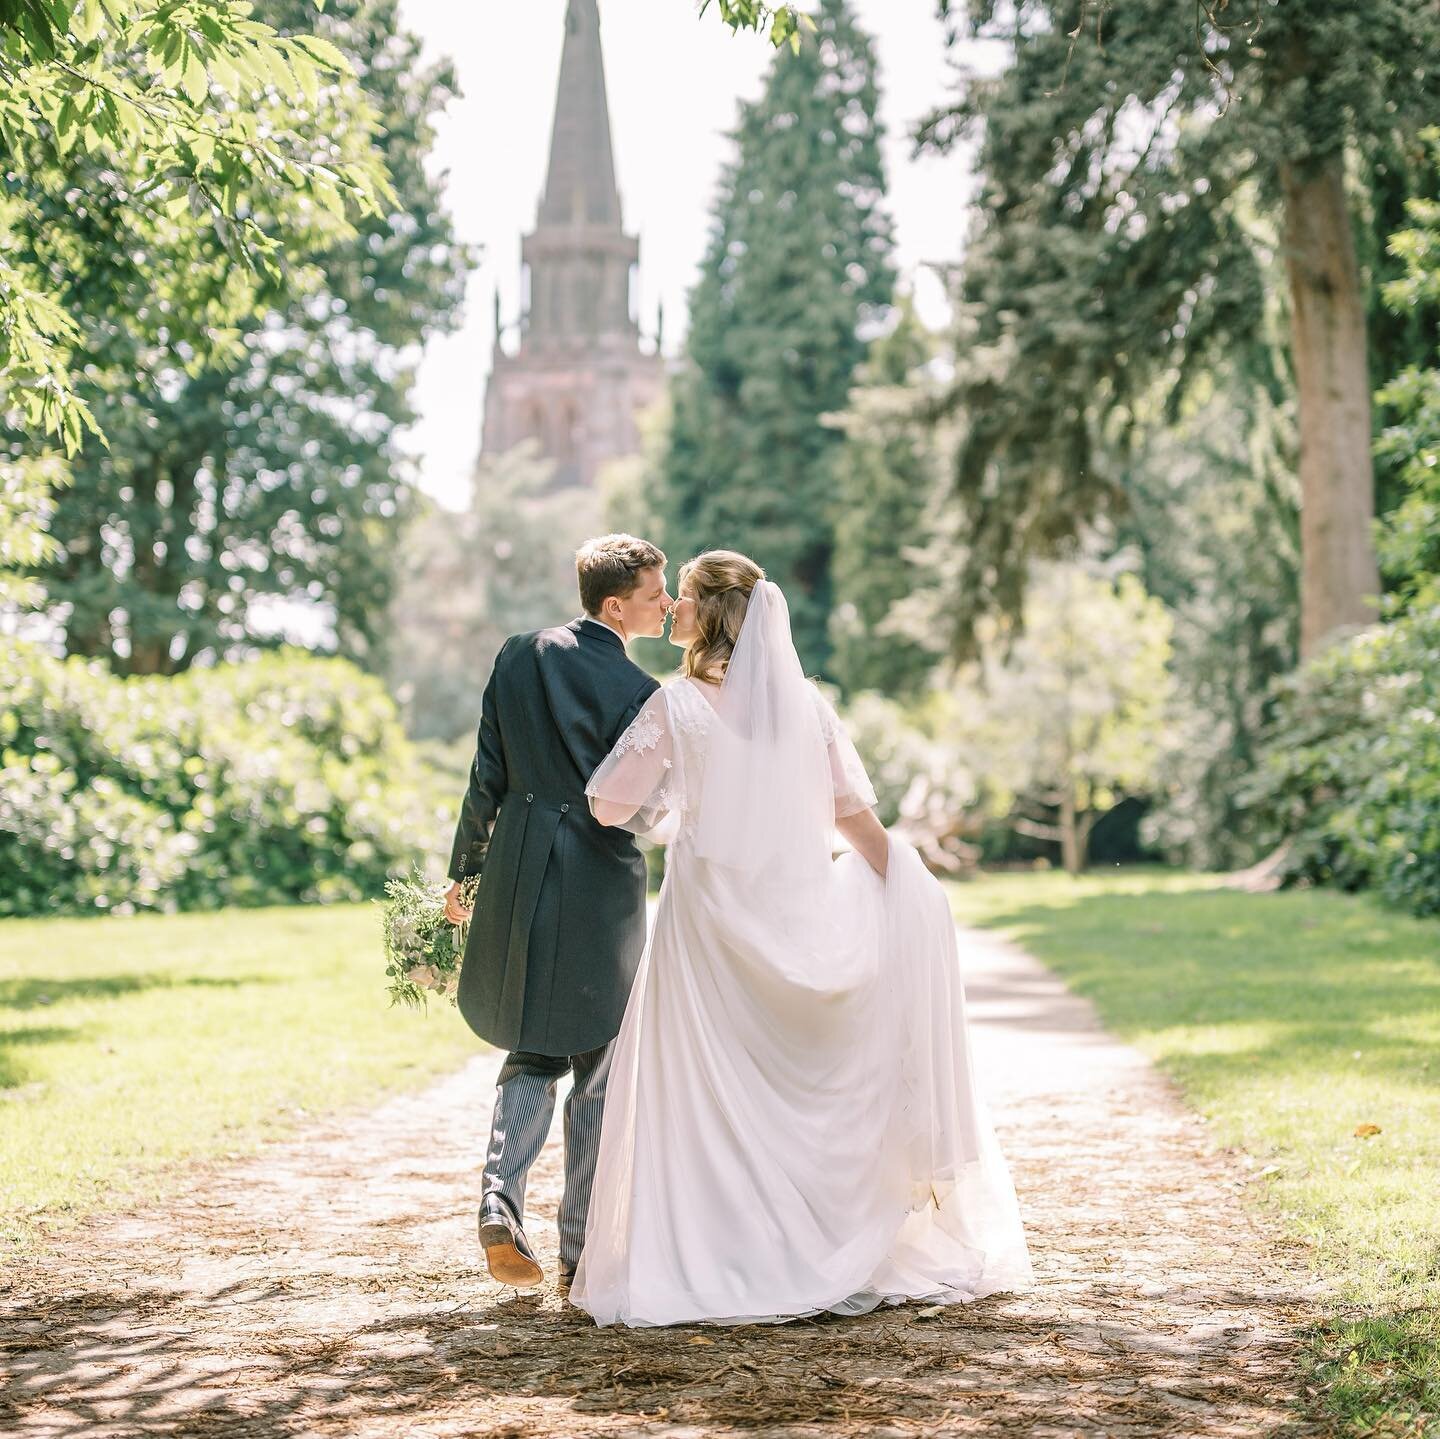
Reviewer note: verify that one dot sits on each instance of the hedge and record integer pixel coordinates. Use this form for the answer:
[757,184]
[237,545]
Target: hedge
[1350,772]
[284,779]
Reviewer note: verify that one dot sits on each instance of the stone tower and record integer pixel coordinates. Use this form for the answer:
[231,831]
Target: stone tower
[578,376]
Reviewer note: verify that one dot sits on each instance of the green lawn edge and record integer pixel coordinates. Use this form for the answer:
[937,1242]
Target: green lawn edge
[134,1047]
[1289,1021]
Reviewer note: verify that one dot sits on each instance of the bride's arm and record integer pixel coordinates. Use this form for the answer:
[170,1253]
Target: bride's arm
[607,812]
[865,834]
[634,784]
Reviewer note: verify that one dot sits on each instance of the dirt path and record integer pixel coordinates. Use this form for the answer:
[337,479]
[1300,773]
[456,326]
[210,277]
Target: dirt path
[331,1287]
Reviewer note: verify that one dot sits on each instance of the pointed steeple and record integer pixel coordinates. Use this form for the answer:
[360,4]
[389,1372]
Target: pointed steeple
[577,376]
[580,184]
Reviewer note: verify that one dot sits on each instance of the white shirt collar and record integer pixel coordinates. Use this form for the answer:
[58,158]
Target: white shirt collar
[595,620]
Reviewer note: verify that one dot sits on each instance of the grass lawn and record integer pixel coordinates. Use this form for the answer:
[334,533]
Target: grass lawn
[130,1043]
[1292,1021]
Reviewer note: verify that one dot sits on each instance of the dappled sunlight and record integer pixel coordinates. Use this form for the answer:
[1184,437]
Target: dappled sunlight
[334,1282]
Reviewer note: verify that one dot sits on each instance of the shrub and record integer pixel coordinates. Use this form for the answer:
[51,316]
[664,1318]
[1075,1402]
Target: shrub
[1350,771]
[287,778]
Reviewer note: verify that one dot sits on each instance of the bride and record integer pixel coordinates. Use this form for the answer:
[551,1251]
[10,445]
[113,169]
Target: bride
[792,1124]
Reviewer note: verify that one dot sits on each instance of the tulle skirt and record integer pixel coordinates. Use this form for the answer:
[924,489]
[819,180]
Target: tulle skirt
[791,1124]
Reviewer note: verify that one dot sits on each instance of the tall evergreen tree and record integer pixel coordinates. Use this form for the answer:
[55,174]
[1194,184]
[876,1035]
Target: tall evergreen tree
[799,261]
[886,477]
[1215,519]
[1127,162]
[268,472]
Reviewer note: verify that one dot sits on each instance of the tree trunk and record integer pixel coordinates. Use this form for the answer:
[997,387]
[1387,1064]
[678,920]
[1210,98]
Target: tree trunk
[1070,844]
[1339,577]
[152,647]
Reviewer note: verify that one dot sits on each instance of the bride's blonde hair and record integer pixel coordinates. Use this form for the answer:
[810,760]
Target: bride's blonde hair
[722,582]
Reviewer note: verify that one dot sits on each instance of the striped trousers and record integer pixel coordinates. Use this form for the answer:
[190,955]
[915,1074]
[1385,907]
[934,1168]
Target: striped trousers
[524,1106]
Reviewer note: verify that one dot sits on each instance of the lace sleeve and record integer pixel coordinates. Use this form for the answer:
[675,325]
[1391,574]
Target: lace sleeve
[639,783]
[853,790]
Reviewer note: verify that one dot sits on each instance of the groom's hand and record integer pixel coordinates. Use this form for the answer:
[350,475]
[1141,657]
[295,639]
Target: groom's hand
[455,912]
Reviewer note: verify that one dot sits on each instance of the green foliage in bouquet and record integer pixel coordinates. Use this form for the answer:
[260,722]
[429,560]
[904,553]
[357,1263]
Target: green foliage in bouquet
[1350,776]
[423,950]
[283,779]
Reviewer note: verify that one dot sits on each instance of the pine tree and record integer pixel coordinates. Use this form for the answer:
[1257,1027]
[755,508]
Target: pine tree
[799,262]
[885,486]
[1141,169]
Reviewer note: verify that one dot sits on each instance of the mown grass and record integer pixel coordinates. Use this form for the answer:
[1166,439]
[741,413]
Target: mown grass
[1292,1021]
[130,1045]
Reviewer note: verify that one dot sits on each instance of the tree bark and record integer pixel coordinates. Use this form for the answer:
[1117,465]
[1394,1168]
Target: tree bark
[152,647]
[1339,576]
[1070,853]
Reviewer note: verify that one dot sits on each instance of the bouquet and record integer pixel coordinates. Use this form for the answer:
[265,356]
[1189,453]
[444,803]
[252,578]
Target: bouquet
[423,949]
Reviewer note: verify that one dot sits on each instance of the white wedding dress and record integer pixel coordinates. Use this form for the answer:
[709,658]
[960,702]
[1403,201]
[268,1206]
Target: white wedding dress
[791,1123]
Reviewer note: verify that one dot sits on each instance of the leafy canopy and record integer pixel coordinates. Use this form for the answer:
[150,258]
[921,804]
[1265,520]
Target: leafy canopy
[264,471]
[215,137]
[1128,230]
[1410,534]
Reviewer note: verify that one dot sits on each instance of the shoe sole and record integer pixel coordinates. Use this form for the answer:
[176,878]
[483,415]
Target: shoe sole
[506,1263]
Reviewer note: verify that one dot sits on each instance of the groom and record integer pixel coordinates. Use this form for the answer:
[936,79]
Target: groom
[559,917]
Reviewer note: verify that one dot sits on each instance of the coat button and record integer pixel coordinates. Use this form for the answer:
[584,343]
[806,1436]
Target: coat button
[564,809]
[528,798]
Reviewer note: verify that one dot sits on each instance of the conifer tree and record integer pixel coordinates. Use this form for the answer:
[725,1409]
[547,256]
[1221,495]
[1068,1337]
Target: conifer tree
[799,262]
[885,487]
[1142,168]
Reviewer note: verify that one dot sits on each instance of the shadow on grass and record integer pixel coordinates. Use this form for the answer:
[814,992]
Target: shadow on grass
[1381,1373]
[35,993]
[12,1072]
[986,1368]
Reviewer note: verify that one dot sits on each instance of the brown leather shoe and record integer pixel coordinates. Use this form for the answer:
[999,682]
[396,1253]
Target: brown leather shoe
[508,1255]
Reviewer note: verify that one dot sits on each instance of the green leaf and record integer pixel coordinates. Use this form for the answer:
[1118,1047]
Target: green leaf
[87,23]
[128,114]
[309,81]
[196,82]
[320,50]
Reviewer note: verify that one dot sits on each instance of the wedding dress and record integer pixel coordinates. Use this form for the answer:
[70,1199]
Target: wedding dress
[792,1124]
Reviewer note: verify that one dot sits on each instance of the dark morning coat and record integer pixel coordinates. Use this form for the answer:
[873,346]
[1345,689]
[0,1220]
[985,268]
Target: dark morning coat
[559,922]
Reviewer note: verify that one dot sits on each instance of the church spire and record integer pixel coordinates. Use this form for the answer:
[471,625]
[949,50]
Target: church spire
[576,377]
[580,185]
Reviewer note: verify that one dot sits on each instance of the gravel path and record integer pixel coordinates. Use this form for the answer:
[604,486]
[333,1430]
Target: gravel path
[331,1286]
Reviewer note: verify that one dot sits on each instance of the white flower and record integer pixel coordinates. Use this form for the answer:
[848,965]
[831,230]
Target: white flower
[404,934]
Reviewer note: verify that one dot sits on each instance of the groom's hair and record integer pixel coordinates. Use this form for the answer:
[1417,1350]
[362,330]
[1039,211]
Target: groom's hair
[611,565]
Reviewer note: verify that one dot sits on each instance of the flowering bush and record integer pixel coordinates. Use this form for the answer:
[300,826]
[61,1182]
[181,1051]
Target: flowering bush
[282,779]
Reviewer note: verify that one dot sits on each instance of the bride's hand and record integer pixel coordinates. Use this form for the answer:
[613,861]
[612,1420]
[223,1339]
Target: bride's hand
[455,912]
[866,835]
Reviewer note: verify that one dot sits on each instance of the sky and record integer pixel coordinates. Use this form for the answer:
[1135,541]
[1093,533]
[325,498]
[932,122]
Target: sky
[674,82]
